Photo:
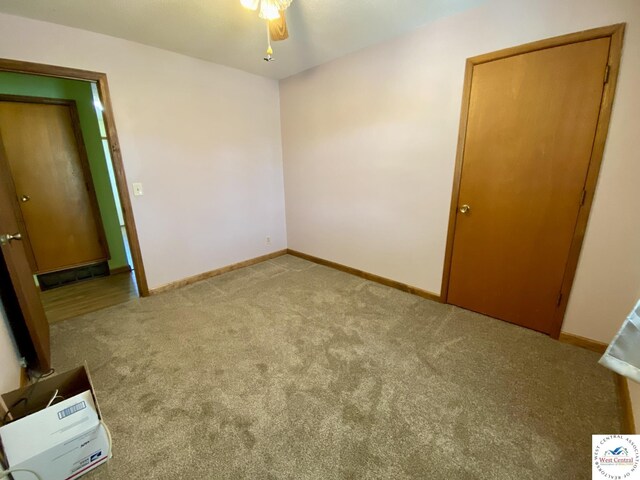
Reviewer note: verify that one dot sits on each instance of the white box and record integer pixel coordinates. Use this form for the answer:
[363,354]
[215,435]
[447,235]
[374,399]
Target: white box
[61,442]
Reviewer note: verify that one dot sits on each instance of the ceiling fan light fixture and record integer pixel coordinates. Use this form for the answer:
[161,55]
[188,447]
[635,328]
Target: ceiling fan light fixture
[269,10]
[273,12]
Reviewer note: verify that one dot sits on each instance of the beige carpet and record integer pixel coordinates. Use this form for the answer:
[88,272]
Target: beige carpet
[289,370]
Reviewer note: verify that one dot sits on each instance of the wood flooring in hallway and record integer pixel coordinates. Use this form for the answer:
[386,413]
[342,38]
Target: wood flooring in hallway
[88,296]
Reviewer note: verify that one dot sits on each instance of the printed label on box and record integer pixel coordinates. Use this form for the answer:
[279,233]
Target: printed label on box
[71,410]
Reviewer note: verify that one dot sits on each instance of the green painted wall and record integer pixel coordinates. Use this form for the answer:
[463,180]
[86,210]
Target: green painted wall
[37,86]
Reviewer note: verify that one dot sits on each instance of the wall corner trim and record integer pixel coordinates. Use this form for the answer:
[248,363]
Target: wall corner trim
[583,342]
[214,273]
[368,276]
[627,421]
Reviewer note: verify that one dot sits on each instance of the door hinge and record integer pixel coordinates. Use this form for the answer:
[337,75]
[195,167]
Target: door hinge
[606,74]
[559,299]
[583,197]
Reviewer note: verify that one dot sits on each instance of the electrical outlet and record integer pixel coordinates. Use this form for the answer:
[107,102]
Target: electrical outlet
[137,189]
[268,240]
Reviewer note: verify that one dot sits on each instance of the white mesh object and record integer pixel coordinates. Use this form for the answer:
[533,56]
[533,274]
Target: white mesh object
[270,9]
[623,354]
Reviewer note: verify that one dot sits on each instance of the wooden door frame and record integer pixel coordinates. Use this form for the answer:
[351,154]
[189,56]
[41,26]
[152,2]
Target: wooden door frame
[616,34]
[84,165]
[17,66]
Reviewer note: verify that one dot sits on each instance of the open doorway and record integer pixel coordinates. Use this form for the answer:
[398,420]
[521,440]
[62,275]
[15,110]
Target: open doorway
[70,208]
[56,150]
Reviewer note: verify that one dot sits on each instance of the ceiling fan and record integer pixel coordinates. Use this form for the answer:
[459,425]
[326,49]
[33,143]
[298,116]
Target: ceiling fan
[273,12]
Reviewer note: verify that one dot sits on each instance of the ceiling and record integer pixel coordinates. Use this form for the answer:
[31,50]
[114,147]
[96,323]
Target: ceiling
[223,32]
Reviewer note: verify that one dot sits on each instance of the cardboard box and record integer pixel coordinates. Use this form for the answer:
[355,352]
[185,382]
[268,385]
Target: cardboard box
[61,442]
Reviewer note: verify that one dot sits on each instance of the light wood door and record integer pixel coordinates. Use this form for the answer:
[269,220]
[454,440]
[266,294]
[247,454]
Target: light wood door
[15,256]
[46,157]
[530,130]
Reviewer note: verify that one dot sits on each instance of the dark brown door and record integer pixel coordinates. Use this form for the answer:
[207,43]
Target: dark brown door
[530,130]
[15,256]
[46,158]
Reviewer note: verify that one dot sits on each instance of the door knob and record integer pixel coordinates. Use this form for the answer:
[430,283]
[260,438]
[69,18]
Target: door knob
[465,208]
[5,239]
[25,198]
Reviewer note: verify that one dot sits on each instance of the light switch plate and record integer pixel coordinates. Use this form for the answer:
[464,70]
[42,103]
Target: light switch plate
[137,189]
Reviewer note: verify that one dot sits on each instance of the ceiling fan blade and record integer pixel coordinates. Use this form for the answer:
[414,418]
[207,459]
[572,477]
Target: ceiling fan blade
[278,28]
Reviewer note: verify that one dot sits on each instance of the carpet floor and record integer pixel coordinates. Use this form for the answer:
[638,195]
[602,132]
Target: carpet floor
[291,370]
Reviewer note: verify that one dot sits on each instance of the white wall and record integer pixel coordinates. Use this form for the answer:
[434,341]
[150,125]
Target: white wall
[9,366]
[369,144]
[203,139]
